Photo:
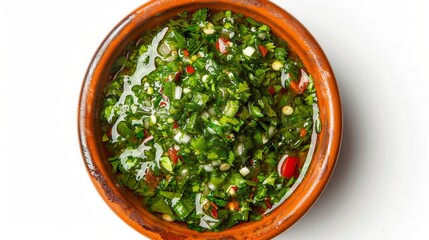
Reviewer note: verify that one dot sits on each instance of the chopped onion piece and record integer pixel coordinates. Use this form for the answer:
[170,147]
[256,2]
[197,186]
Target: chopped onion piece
[249,51]
[208,168]
[283,78]
[209,29]
[287,110]
[240,149]
[178,92]
[277,65]
[271,131]
[153,119]
[182,138]
[211,186]
[204,78]
[186,90]
[163,49]
[244,171]
[215,163]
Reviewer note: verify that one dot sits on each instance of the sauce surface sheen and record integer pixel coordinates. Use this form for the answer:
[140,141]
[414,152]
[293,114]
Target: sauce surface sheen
[210,119]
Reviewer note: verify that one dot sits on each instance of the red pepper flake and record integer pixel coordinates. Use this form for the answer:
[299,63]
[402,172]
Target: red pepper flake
[214,212]
[252,161]
[300,86]
[213,209]
[233,205]
[303,132]
[263,50]
[175,125]
[177,76]
[222,45]
[185,52]
[163,104]
[252,192]
[152,180]
[146,133]
[172,153]
[271,90]
[190,70]
[289,166]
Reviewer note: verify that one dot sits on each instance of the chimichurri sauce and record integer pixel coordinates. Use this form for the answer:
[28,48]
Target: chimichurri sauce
[209,118]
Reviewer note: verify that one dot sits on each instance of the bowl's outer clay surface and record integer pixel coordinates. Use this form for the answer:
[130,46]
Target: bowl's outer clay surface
[127,206]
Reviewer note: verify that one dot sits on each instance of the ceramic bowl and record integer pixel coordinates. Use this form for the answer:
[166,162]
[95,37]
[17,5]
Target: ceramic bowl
[327,146]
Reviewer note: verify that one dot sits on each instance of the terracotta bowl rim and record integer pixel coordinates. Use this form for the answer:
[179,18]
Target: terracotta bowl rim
[327,146]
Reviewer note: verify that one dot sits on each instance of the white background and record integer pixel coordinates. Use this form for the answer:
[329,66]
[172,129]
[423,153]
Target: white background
[378,50]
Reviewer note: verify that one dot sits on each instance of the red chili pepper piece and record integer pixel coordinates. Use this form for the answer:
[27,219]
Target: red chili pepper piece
[252,161]
[288,167]
[177,76]
[146,133]
[300,86]
[175,125]
[172,153]
[233,205]
[263,50]
[151,179]
[303,132]
[162,104]
[271,90]
[214,213]
[185,52]
[222,45]
[190,70]
[213,209]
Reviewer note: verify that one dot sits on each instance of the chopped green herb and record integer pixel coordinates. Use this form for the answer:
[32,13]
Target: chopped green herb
[200,115]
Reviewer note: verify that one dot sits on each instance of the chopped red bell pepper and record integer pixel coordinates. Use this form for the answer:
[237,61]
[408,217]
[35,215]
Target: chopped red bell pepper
[214,212]
[151,179]
[233,205]
[177,76]
[162,104]
[175,125]
[190,70]
[263,50]
[271,90]
[185,52]
[303,132]
[222,45]
[289,166]
[172,153]
[213,209]
[300,86]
